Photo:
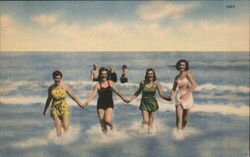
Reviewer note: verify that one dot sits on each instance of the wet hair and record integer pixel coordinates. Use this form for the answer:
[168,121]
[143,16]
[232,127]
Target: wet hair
[150,69]
[124,66]
[186,63]
[95,65]
[100,71]
[57,73]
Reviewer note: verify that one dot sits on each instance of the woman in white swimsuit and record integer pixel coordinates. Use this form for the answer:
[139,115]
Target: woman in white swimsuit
[182,92]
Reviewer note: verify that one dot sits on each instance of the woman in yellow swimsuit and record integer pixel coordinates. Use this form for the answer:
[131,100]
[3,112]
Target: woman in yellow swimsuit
[60,111]
[183,88]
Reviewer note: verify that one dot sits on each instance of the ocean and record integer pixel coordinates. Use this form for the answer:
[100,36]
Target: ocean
[219,122]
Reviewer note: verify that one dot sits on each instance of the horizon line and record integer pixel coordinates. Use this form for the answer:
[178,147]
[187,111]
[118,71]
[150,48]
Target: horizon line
[117,51]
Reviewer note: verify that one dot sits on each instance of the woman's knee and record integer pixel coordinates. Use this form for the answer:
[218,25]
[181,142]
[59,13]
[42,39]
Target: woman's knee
[108,121]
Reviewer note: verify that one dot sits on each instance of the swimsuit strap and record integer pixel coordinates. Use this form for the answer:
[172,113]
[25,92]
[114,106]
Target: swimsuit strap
[104,88]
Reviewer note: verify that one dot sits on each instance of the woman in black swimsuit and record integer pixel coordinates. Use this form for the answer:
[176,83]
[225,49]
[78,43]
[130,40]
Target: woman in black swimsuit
[105,103]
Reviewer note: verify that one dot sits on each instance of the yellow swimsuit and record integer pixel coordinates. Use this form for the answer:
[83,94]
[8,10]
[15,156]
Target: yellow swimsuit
[59,105]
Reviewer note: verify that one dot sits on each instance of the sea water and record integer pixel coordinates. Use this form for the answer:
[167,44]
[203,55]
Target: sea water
[219,122]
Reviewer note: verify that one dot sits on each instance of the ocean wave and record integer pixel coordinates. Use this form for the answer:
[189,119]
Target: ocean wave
[22,100]
[229,109]
[8,87]
[224,109]
[213,87]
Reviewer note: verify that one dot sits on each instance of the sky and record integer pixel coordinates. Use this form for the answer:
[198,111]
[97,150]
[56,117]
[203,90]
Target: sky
[124,25]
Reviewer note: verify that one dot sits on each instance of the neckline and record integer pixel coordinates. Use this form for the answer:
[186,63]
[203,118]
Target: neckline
[104,87]
[151,86]
[182,79]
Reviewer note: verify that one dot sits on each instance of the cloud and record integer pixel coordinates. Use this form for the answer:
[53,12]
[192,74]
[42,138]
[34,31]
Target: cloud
[131,36]
[45,20]
[7,24]
[145,36]
[158,10]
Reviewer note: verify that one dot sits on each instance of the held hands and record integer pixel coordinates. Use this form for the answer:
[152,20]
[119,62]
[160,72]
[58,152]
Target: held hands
[81,105]
[168,98]
[84,105]
[126,100]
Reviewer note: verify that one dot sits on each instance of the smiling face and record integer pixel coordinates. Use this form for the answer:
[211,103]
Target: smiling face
[57,79]
[150,75]
[104,75]
[182,66]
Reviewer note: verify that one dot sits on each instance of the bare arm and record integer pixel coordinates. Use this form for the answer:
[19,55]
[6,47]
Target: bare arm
[192,81]
[117,92]
[137,92]
[49,98]
[92,95]
[159,88]
[172,93]
[73,96]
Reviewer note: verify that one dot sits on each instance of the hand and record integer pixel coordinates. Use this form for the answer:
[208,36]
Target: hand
[128,101]
[184,97]
[125,100]
[81,105]
[168,98]
[84,105]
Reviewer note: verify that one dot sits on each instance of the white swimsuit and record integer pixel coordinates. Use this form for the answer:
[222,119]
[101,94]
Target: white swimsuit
[183,87]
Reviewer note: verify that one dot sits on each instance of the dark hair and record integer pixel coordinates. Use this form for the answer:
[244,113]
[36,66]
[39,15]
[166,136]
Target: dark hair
[150,69]
[124,66]
[100,71]
[57,73]
[182,60]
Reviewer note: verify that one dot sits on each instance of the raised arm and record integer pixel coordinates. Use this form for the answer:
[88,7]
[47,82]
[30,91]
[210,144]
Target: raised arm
[49,98]
[73,96]
[137,92]
[159,88]
[91,96]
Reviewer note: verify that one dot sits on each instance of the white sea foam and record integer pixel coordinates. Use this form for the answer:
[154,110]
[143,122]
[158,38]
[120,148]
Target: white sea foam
[22,100]
[182,134]
[213,87]
[31,142]
[66,138]
[225,109]
[79,84]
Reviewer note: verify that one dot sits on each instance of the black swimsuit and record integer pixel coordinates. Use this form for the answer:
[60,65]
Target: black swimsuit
[105,99]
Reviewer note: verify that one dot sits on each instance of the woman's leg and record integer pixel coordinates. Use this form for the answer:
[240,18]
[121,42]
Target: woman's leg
[145,118]
[66,122]
[185,117]
[58,125]
[179,112]
[109,117]
[101,113]
[151,121]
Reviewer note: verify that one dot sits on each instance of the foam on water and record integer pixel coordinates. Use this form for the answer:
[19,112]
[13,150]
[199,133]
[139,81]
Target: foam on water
[225,109]
[182,134]
[66,138]
[31,142]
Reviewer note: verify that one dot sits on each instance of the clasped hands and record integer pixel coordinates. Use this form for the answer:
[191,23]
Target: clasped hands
[126,100]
